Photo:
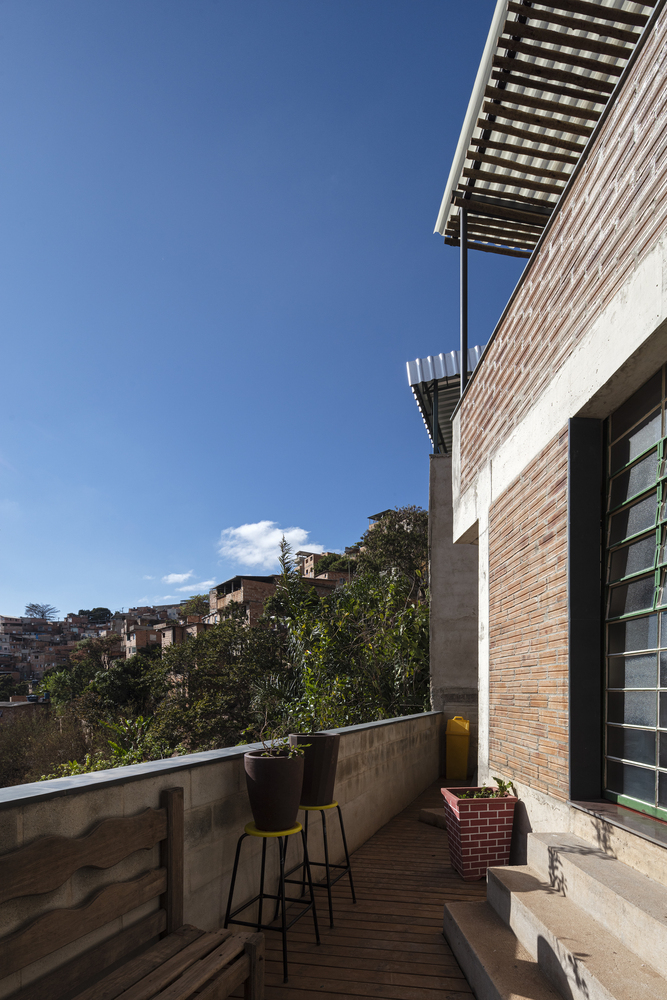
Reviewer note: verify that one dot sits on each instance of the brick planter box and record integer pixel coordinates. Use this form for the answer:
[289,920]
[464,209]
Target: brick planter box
[479,832]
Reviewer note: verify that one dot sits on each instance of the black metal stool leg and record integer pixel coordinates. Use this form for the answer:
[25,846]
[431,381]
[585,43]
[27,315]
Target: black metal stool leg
[347,856]
[282,903]
[275,912]
[261,885]
[303,870]
[326,863]
[233,882]
[310,885]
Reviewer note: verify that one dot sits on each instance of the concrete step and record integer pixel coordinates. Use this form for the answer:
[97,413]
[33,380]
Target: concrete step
[434,817]
[632,906]
[496,966]
[579,957]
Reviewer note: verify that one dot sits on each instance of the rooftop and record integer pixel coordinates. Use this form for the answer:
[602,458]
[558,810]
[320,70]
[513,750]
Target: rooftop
[437,378]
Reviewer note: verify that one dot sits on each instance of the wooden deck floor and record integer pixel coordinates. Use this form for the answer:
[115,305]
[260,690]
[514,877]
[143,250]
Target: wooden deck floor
[390,944]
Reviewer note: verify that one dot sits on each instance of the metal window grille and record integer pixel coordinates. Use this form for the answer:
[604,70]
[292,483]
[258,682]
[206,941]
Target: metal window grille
[636,601]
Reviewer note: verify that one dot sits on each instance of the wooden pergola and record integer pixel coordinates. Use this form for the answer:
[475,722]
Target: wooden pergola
[548,72]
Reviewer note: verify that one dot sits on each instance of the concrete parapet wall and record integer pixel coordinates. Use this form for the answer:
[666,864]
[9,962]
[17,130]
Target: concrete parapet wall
[382,767]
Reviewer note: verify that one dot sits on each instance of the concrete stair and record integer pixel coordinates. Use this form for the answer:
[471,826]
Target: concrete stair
[496,966]
[629,905]
[578,923]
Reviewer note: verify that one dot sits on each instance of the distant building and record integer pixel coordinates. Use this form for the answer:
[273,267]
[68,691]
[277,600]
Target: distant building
[307,561]
[252,592]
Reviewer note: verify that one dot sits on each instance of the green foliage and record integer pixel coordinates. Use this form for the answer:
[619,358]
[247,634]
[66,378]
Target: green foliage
[90,658]
[398,544]
[293,591]
[135,743]
[356,655]
[336,563]
[136,685]
[275,741]
[362,654]
[211,681]
[9,687]
[198,604]
[501,791]
[97,616]
[38,741]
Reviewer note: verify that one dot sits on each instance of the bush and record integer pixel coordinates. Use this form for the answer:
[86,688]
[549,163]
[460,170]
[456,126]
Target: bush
[39,741]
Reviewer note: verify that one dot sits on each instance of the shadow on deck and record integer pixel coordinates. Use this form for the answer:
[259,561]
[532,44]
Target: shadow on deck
[390,944]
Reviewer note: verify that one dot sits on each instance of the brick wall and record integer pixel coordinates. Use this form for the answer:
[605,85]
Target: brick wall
[528,625]
[613,216]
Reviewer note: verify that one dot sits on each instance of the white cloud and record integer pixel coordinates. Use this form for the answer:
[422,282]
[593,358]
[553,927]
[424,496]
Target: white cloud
[259,544]
[192,587]
[177,577]
[148,578]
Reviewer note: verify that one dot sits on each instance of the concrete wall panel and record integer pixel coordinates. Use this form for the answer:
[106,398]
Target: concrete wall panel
[382,768]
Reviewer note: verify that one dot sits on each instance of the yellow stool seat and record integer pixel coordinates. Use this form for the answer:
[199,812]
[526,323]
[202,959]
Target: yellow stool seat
[253,831]
[332,805]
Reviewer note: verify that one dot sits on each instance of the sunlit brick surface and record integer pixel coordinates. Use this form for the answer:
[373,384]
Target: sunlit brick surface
[613,216]
[528,625]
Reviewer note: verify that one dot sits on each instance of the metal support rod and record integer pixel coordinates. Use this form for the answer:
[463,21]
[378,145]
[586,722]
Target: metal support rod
[463,220]
[434,428]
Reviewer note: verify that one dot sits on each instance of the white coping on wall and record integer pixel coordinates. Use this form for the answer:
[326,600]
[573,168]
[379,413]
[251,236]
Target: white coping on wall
[37,791]
[382,767]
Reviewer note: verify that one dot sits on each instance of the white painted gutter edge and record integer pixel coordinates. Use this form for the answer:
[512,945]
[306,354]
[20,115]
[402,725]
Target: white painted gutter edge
[472,114]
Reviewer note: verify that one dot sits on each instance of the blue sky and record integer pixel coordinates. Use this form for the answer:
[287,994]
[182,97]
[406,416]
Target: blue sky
[216,256]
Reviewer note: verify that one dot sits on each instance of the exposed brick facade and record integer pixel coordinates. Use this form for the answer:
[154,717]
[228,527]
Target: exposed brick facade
[528,625]
[614,214]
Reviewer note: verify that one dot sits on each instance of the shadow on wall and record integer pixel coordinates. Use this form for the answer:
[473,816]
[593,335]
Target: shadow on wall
[520,830]
[603,836]
[562,970]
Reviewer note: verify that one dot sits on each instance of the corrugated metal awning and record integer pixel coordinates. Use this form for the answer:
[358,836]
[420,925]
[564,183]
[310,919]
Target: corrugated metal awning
[547,73]
[439,373]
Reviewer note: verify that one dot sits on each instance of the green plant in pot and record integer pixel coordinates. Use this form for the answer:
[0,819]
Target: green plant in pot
[274,777]
[320,763]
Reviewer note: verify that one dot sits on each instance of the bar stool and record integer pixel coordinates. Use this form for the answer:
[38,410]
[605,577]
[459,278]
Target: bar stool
[250,830]
[326,864]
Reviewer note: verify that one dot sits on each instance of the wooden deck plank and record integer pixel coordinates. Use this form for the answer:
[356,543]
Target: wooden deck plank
[325,985]
[385,962]
[339,973]
[390,944]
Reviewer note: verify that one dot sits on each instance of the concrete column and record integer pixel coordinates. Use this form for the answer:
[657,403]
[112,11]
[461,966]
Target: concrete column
[454,595]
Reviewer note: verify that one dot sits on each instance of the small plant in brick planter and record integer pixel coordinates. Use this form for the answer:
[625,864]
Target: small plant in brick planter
[479,827]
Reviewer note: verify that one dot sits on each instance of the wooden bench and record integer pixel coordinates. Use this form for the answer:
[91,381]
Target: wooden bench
[157,956]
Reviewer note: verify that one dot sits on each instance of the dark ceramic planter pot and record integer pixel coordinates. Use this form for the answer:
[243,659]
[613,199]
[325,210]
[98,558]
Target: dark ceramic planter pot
[274,787]
[320,762]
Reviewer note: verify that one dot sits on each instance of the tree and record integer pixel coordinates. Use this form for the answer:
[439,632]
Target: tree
[292,592]
[398,544]
[96,615]
[89,658]
[198,604]
[334,562]
[46,611]
[363,654]
[9,687]
[212,678]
